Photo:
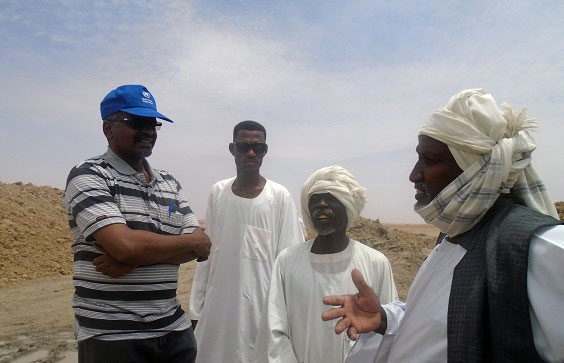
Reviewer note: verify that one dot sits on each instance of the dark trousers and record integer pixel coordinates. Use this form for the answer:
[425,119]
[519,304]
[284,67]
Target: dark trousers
[174,347]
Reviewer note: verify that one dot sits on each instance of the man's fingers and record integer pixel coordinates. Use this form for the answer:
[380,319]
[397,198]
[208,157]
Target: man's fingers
[342,325]
[352,333]
[333,314]
[98,260]
[360,284]
[334,300]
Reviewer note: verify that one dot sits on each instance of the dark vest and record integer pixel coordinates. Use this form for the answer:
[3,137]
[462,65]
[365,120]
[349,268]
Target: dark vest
[488,312]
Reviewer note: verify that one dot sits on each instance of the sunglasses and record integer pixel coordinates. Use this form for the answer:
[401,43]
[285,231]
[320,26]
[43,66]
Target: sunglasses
[139,123]
[258,147]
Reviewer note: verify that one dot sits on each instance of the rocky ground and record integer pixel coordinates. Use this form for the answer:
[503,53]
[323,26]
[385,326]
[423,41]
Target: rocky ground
[36,263]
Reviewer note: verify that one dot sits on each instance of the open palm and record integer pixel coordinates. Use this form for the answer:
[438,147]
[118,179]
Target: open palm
[359,313]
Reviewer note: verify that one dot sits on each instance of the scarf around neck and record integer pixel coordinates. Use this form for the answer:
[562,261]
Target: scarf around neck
[493,148]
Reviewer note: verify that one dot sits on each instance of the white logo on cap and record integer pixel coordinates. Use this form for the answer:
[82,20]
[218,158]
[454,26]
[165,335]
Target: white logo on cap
[146,94]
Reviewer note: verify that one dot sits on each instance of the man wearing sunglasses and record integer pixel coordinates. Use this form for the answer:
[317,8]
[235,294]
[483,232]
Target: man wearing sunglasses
[250,220]
[132,227]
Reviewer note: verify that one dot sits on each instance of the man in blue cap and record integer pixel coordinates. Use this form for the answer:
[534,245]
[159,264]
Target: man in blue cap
[132,227]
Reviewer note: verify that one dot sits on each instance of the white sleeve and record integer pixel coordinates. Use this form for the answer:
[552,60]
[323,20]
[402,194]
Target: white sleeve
[273,343]
[546,292]
[365,348]
[374,347]
[394,313]
[290,230]
[200,281]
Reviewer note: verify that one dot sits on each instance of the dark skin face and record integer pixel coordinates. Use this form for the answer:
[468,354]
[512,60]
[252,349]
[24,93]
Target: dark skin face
[435,169]
[130,144]
[328,214]
[329,217]
[250,162]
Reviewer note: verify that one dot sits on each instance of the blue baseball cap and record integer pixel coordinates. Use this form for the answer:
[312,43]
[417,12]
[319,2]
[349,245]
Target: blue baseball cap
[131,98]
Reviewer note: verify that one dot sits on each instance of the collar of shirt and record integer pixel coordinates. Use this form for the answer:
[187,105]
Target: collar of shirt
[120,165]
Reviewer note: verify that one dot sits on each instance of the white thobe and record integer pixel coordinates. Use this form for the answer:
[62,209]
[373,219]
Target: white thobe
[291,329]
[418,330]
[229,288]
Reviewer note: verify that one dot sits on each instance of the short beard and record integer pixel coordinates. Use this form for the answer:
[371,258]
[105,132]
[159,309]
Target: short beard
[324,231]
[419,205]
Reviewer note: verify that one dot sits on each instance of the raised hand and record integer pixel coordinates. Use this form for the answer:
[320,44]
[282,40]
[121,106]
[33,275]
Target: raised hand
[359,313]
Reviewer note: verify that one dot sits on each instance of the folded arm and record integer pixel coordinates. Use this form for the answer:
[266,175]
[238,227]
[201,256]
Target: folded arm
[91,202]
[109,266]
[137,247]
[127,248]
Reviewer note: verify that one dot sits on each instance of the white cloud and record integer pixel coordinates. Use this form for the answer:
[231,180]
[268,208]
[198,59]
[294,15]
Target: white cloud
[209,74]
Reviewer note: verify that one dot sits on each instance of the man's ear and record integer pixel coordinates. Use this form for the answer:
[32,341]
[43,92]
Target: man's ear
[107,128]
[232,148]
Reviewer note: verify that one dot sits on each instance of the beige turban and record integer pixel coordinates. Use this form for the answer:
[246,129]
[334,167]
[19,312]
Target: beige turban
[338,182]
[493,148]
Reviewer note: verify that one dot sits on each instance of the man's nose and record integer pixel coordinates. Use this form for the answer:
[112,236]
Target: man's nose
[416,173]
[322,203]
[149,129]
[251,152]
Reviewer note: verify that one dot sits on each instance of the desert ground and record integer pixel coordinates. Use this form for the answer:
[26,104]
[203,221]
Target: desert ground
[36,319]
[36,266]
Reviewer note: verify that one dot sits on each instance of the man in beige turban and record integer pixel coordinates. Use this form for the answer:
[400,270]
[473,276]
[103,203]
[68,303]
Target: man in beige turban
[291,331]
[492,289]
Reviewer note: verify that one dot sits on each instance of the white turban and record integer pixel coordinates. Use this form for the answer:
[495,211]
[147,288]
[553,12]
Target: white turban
[493,148]
[338,182]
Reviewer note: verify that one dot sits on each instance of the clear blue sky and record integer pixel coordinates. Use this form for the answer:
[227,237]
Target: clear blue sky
[334,82]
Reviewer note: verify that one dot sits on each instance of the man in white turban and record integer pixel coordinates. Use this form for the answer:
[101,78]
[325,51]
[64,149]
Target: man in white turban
[492,289]
[290,328]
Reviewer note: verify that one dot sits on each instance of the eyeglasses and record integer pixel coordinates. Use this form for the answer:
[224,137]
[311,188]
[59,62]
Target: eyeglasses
[139,123]
[258,147]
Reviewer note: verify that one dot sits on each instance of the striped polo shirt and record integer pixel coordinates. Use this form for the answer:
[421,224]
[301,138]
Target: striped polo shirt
[141,304]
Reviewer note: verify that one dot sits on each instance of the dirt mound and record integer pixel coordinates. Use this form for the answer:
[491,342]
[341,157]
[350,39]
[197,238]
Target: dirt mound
[560,209]
[34,235]
[406,251]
